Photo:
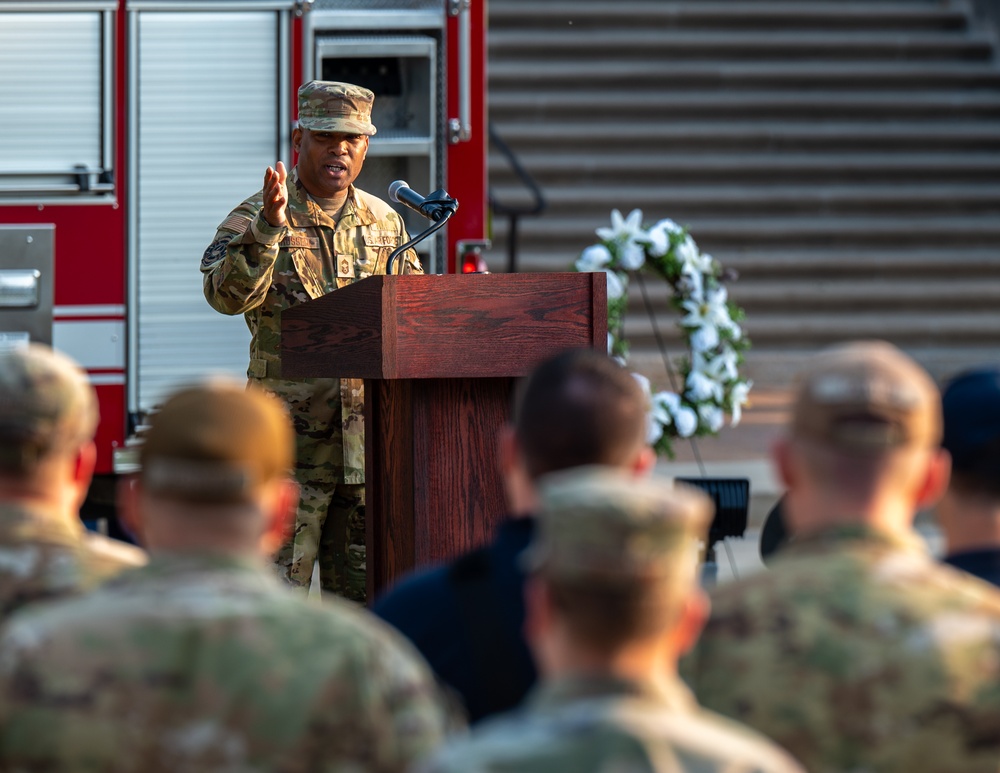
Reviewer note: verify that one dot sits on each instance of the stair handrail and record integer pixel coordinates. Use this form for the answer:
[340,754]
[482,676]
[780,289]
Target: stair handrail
[514,213]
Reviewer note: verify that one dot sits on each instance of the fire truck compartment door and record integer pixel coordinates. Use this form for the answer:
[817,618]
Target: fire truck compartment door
[210,111]
[26,295]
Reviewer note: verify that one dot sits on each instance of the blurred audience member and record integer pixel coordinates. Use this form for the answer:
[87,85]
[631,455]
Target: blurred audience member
[204,660]
[578,408]
[857,651]
[969,512]
[612,603]
[48,415]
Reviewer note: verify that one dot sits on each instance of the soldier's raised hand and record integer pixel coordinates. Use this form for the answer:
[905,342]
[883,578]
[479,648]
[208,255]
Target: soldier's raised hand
[275,195]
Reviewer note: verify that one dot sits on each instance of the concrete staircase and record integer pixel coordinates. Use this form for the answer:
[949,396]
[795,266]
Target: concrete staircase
[842,156]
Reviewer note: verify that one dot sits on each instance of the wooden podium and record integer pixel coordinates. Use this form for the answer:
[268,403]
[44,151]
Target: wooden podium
[439,355]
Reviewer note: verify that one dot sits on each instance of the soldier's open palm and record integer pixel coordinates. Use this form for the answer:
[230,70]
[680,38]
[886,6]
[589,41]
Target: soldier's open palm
[275,194]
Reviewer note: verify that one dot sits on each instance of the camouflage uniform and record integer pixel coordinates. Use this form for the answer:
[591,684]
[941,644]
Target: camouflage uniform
[43,556]
[255,269]
[605,724]
[198,663]
[857,652]
[603,529]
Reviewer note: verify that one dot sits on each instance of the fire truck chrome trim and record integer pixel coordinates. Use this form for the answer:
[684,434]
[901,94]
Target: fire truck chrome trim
[107,310]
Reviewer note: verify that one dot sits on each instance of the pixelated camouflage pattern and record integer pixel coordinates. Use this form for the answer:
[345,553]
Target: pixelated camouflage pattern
[600,523]
[605,725]
[254,269]
[42,557]
[857,652]
[330,525]
[328,106]
[209,664]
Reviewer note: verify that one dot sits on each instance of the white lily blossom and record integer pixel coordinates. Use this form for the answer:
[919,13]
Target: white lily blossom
[709,315]
[623,230]
[616,287]
[654,427]
[739,395]
[712,415]
[632,256]
[692,260]
[659,237]
[701,387]
[722,367]
[705,338]
[686,421]
[594,258]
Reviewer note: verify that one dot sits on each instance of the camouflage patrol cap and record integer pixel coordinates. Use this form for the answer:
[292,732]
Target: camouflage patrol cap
[866,397]
[327,106]
[46,404]
[216,442]
[600,523]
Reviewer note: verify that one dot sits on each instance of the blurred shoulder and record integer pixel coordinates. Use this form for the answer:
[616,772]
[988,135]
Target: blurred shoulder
[106,557]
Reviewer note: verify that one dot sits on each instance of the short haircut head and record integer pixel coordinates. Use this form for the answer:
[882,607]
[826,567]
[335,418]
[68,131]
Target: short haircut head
[971,405]
[579,408]
[216,443]
[47,407]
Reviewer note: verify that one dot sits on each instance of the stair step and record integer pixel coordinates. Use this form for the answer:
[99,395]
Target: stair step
[714,233]
[735,13]
[779,263]
[586,74]
[809,168]
[955,293]
[930,135]
[685,201]
[819,328]
[643,105]
[684,45]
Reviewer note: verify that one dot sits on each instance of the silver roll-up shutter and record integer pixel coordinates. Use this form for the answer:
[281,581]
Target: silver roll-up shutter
[208,92]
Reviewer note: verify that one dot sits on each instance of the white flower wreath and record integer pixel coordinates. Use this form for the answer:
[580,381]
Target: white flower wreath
[713,385]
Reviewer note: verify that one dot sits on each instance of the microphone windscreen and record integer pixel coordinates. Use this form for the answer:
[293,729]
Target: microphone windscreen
[394,188]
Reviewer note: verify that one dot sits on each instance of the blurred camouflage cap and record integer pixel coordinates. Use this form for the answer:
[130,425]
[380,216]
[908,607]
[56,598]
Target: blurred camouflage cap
[867,397]
[327,106]
[216,442]
[46,404]
[604,524]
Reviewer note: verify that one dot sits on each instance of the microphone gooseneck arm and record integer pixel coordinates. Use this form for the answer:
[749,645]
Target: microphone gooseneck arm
[445,215]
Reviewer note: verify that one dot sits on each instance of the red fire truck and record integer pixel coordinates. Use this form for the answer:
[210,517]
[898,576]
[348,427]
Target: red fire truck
[130,128]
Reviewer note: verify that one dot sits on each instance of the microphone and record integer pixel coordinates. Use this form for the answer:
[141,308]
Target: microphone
[436,206]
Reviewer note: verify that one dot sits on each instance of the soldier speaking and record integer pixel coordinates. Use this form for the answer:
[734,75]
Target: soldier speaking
[305,234]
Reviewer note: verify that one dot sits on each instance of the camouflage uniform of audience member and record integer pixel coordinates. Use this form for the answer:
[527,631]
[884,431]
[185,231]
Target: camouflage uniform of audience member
[47,407]
[204,660]
[606,529]
[258,270]
[856,651]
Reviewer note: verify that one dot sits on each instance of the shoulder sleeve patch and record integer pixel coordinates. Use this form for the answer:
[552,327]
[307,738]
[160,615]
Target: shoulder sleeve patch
[236,222]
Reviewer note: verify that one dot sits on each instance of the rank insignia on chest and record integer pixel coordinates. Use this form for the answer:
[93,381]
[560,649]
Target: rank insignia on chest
[345,266]
[381,238]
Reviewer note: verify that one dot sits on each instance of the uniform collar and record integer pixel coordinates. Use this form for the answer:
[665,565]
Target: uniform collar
[304,212]
[841,536]
[21,522]
[575,688]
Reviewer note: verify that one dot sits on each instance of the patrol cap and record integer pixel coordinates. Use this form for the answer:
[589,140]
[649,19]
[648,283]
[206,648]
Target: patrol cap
[603,524]
[46,403]
[971,405]
[328,106]
[866,397]
[216,442]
